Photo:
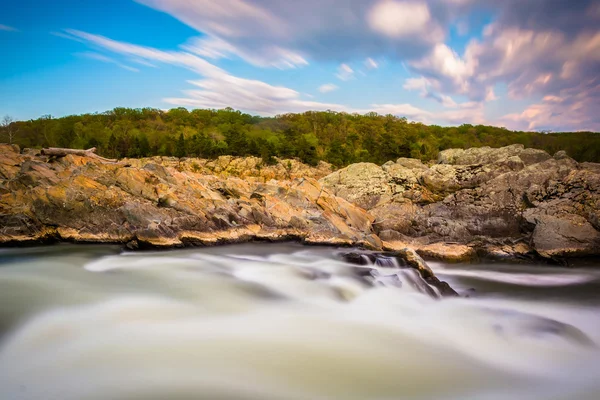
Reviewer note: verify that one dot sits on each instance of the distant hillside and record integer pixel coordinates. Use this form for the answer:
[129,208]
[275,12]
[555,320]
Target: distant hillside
[338,138]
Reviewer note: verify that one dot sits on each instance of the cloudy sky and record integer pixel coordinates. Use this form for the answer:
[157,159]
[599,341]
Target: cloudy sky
[523,64]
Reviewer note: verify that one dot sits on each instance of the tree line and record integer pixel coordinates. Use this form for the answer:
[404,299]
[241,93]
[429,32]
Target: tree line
[336,137]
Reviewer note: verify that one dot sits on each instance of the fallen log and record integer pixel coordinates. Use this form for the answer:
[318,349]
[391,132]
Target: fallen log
[61,152]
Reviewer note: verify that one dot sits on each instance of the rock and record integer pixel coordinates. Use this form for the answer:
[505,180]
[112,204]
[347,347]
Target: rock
[455,253]
[155,202]
[363,184]
[559,155]
[564,235]
[414,260]
[411,163]
[509,203]
[475,197]
[488,155]
[509,252]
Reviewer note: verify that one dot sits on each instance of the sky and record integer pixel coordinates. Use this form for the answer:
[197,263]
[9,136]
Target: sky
[522,64]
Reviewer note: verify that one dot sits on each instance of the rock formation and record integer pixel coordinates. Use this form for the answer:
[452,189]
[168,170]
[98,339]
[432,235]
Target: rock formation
[510,202]
[169,202]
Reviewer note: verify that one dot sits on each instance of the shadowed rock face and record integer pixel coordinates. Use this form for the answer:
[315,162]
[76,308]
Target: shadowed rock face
[511,202]
[508,203]
[160,203]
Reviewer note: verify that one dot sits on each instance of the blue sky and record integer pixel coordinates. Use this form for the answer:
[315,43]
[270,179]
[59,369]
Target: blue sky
[517,64]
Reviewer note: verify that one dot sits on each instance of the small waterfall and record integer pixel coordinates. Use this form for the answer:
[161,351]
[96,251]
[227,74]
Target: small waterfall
[366,259]
[414,280]
[385,261]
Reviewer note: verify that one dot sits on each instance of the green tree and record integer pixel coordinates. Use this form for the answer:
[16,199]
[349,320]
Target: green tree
[180,149]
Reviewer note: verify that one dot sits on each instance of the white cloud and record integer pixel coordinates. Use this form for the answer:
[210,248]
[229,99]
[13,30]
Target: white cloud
[128,68]
[105,59]
[397,19]
[328,87]
[345,73]
[260,30]
[371,64]
[535,51]
[8,28]
[469,113]
[182,59]
[424,86]
[272,56]
[420,83]
[490,95]
[446,69]
[228,18]
[572,109]
[142,62]
[218,89]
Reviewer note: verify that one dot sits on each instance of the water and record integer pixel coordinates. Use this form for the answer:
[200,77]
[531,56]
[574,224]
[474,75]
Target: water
[289,322]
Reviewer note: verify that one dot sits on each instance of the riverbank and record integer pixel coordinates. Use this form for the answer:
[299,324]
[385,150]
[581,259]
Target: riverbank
[512,203]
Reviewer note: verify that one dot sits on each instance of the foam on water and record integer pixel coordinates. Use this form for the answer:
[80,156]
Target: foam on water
[293,324]
[526,279]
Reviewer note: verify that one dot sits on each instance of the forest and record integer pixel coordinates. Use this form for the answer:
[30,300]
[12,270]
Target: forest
[336,137]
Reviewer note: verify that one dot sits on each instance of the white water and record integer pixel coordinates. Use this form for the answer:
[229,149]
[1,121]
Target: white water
[287,322]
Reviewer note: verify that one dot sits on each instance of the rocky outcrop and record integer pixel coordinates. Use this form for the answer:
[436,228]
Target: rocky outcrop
[508,203]
[250,168]
[159,202]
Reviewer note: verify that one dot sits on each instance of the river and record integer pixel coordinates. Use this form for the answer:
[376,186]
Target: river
[283,321]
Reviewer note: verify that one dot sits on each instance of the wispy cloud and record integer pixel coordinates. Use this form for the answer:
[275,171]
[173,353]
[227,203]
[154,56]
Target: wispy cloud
[8,28]
[312,29]
[328,87]
[220,89]
[532,49]
[273,56]
[106,59]
[65,35]
[536,52]
[371,64]
[182,59]
[344,72]
[142,62]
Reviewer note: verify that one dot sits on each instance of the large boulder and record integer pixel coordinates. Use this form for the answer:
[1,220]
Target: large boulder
[564,235]
[364,184]
[488,155]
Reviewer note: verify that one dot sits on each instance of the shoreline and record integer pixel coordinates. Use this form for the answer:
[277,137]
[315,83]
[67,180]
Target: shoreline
[508,205]
[476,255]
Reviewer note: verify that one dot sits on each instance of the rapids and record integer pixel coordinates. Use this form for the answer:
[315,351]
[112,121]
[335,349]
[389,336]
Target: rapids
[282,321]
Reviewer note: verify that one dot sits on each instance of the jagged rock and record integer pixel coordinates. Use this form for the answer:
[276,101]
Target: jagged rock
[363,184]
[478,196]
[154,202]
[249,168]
[563,235]
[510,202]
[488,155]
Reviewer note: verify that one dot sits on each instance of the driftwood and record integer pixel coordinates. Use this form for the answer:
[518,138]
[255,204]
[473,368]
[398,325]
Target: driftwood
[61,152]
